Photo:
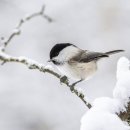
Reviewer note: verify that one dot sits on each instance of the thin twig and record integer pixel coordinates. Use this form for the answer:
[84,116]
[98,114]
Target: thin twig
[31,64]
[17,30]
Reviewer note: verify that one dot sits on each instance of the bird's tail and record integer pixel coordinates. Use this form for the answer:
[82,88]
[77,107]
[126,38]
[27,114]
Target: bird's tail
[113,52]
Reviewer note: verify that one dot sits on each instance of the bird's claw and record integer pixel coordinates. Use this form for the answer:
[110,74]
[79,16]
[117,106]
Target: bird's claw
[73,85]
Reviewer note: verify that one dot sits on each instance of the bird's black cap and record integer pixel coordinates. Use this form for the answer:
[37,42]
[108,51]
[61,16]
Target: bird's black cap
[57,48]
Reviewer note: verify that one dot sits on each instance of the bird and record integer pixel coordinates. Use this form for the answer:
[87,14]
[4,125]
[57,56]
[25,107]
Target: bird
[76,63]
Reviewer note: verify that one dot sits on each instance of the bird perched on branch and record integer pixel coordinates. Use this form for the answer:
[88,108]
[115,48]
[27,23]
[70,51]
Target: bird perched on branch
[76,63]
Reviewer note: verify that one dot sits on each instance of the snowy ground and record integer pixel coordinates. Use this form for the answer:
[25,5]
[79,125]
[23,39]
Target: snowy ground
[33,101]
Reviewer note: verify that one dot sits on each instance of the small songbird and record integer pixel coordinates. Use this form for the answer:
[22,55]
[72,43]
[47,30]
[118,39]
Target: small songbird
[76,63]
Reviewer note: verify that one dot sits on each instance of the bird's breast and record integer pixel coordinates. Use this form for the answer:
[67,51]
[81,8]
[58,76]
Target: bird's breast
[78,71]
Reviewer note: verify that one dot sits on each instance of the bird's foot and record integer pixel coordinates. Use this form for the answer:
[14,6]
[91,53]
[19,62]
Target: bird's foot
[73,85]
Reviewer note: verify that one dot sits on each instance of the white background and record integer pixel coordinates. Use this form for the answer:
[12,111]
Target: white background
[30,100]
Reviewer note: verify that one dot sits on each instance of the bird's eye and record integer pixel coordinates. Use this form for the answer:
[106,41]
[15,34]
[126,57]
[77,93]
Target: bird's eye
[54,61]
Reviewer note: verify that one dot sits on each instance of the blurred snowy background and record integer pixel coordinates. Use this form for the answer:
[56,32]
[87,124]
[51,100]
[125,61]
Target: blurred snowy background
[30,100]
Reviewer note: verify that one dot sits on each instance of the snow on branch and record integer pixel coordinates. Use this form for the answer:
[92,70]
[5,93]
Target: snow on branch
[17,29]
[112,113]
[31,64]
[122,89]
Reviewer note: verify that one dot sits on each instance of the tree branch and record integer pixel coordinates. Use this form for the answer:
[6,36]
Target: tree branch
[31,64]
[17,30]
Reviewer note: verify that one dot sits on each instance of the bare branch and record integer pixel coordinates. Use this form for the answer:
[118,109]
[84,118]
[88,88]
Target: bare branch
[31,64]
[17,30]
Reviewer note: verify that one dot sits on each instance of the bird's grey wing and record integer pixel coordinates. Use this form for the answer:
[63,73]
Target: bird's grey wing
[87,56]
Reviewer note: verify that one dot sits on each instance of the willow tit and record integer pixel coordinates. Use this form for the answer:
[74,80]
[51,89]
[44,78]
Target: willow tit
[76,63]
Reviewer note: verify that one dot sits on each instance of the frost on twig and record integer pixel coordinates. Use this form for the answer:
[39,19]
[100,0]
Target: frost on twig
[17,30]
[31,64]
[79,92]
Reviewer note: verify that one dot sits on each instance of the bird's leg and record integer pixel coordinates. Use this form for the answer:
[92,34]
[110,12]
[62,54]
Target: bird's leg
[72,86]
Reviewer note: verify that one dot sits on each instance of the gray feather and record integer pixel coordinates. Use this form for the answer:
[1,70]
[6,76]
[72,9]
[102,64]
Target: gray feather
[86,56]
[113,52]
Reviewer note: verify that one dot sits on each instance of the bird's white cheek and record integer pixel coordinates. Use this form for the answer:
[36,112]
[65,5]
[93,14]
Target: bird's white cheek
[67,53]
